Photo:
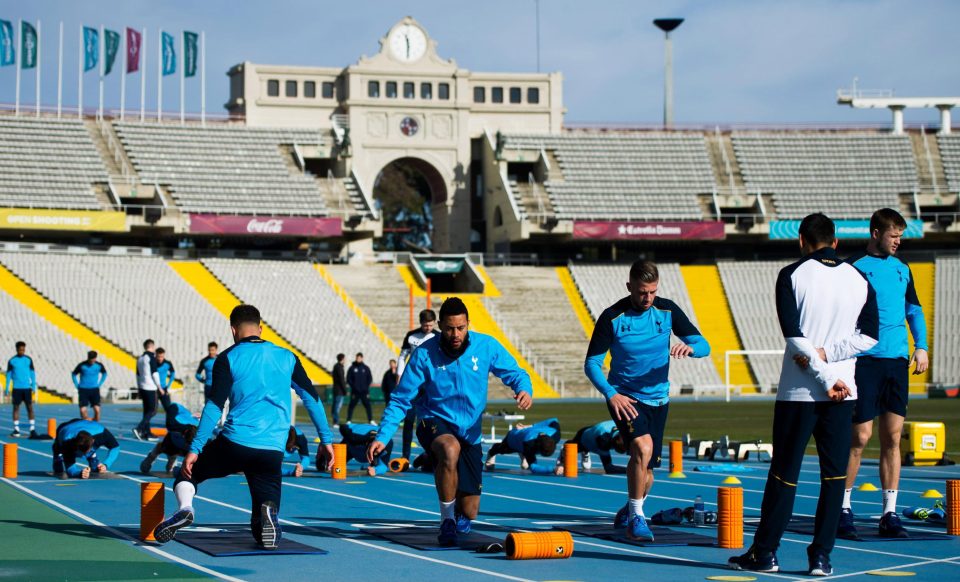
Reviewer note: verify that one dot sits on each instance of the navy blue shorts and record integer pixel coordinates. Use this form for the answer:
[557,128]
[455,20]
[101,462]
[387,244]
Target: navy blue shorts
[650,420]
[470,464]
[882,386]
[24,395]
[88,396]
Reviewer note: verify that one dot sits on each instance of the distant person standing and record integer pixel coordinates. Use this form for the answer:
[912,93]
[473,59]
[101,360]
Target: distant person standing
[88,377]
[389,381]
[22,375]
[164,377]
[339,389]
[359,378]
[147,388]
[204,373]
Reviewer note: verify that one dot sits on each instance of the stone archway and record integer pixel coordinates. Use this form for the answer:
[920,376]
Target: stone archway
[411,194]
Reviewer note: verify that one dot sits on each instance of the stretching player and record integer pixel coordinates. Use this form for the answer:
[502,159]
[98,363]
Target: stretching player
[883,370]
[164,376]
[825,307]
[428,319]
[256,376]
[528,441]
[358,437]
[447,376]
[23,377]
[88,377]
[204,373]
[82,438]
[297,452]
[636,331]
[598,439]
[181,430]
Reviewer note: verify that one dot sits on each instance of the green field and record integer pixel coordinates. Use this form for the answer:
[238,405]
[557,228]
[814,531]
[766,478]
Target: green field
[740,420]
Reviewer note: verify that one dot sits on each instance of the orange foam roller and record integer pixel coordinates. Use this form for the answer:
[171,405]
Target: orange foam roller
[399,464]
[339,461]
[953,507]
[676,457]
[539,545]
[10,460]
[571,452]
[151,509]
[730,517]
[158,432]
[52,428]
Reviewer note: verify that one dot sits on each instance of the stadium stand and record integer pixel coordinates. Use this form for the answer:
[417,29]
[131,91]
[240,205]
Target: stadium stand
[48,163]
[387,302]
[225,169]
[750,293]
[54,353]
[126,300]
[946,353]
[845,175]
[534,307]
[603,285]
[950,155]
[624,176]
[300,306]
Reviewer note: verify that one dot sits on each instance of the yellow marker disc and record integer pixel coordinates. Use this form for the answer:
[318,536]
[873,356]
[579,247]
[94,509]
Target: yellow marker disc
[868,487]
[732,578]
[891,573]
[731,480]
[932,494]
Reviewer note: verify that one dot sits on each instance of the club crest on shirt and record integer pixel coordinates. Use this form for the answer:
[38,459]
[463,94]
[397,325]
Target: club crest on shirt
[474,359]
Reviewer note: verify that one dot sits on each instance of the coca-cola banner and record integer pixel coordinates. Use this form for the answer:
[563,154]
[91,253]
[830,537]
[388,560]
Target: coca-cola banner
[614,230]
[266,225]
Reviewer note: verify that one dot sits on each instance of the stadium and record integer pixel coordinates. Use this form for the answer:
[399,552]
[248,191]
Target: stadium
[343,200]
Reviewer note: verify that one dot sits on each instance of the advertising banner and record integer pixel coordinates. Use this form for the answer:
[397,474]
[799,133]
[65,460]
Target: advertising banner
[616,230]
[789,229]
[265,225]
[43,219]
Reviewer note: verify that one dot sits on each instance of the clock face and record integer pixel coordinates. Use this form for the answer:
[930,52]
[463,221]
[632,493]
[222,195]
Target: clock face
[408,43]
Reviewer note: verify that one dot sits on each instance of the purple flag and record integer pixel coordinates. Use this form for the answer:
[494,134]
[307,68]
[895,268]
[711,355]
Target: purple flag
[133,50]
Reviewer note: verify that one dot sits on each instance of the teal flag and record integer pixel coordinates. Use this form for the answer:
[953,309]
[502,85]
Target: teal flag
[111,41]
[7,52]
[28,46]
[91,48]
[190,53]
[169,55]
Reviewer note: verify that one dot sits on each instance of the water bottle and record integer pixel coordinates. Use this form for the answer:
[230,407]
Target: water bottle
[698,511]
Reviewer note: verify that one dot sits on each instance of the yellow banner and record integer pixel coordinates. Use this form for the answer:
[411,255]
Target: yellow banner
[42,219]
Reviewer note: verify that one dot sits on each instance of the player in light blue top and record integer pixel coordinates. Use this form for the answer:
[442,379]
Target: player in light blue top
[529,441]
[598,439]
[205,369]
[80,438]
[22,376]
[164,375]
[88,377]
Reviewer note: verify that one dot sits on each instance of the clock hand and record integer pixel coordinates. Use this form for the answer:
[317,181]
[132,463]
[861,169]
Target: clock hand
[407,39]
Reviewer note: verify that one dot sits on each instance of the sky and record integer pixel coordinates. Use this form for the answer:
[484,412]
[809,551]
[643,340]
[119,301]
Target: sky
[735,61]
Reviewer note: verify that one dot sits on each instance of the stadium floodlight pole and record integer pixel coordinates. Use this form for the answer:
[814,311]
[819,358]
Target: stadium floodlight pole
[37,67]
[183,42]
[18,35]
[80,56]
[60,73]
[102,49]
[123,76]
[668,25]
[159,74]
[203,78]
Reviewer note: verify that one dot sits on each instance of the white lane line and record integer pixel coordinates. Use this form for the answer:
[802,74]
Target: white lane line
[118,534]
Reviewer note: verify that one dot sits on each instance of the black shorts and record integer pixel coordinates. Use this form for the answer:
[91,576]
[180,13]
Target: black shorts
[470,464]
[88,396]
[650,420]
[882,386]
[22,395]
[173,444]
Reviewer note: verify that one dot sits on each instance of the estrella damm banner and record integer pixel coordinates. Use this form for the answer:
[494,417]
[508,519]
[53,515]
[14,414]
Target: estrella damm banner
[44,219]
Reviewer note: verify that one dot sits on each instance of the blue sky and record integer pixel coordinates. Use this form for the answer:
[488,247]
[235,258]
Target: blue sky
[736,61]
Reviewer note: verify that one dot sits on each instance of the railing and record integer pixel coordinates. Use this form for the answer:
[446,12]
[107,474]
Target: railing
[50,111]
[337,188]
[544,371]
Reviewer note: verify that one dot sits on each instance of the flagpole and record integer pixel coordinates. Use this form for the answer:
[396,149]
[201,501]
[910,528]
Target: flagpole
[60,72]
[123,75]
[182,69]
[159,74]
[102,49]
[142,54]
[203,78]
[38,67]
[18,55]
[80,75]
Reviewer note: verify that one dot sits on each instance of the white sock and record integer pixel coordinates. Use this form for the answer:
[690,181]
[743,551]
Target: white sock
[447,510]
[636,507]
[846,498]
[185,491]
[33,425]
[889,501]
[16,425]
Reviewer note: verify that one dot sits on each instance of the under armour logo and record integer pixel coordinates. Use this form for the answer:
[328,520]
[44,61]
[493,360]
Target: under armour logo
[474,360]
[443,367]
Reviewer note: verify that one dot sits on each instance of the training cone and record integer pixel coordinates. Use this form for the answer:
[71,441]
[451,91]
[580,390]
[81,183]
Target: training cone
[932,494]
[953,507]
[339,461]
[539,545]
[731,480]
[151,509]
[399,464]
[676,460]
[52,428]
[10,460]
[867,487]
